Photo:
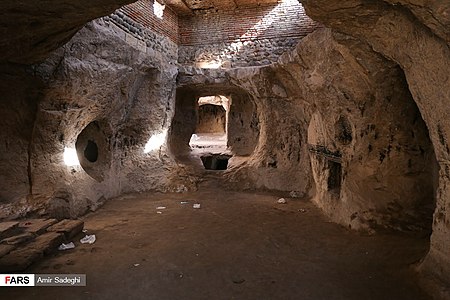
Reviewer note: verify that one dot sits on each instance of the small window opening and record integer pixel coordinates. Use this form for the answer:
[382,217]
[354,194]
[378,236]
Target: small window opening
[158,9]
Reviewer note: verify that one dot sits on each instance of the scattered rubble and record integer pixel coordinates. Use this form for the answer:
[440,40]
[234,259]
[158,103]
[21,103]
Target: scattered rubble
[23,242]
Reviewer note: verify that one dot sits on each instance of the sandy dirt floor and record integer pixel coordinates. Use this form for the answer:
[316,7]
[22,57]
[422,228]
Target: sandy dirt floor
[236,246]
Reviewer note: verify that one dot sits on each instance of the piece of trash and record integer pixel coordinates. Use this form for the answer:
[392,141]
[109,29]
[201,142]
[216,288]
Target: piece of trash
[159,212]
[281,201]
[136,265]
[302,210]
[68,246]
[196,205]
[84,230]
[161,207]
[184,202]
[88,239]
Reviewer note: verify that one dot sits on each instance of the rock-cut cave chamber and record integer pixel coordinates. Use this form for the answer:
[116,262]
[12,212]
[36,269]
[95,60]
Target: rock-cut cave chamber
[275,149]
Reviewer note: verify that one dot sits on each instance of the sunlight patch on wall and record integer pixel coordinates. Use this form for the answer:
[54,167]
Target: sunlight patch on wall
[155,141]
[71,157]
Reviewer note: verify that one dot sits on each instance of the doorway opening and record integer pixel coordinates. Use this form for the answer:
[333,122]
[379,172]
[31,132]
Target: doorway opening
[212,124]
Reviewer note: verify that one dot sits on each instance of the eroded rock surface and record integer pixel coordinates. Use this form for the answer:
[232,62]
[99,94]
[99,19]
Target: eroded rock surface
[355,117]
[30,30]
[414,34]
[103,98]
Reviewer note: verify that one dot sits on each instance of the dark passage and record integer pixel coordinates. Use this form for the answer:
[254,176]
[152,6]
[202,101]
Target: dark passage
[334,178]
[91,151]
[215,161]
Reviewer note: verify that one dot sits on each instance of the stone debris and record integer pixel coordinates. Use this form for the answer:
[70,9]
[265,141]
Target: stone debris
[47,242]
[7,227]
[19,260]
[23,242]
[5,249]
[281,201]
[37,226]
[18,239]
[70,228]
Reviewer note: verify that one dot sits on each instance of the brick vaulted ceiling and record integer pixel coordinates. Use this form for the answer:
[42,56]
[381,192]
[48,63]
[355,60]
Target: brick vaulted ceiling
[183,7]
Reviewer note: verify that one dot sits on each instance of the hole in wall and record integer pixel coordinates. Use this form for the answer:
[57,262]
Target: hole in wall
[211,127]
[91,151]
[237,136]
[334,177]
[343,131]
[215,161]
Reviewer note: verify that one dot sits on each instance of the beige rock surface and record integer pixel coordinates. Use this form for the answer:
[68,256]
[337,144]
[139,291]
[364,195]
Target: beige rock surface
[414,35]
[356,117]
[30,31]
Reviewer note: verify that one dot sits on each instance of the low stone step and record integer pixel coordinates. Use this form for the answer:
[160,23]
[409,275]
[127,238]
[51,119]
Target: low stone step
[6,228]
[70,228]
[5,249]
[36,226]
[20,259]
[18,239]
[47,243]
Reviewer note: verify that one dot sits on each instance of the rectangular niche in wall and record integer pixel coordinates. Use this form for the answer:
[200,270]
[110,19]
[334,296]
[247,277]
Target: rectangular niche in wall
[334,176]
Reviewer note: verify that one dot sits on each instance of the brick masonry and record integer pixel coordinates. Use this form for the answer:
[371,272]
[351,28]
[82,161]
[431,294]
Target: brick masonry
[245,36]
[142,37]
[142,12]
